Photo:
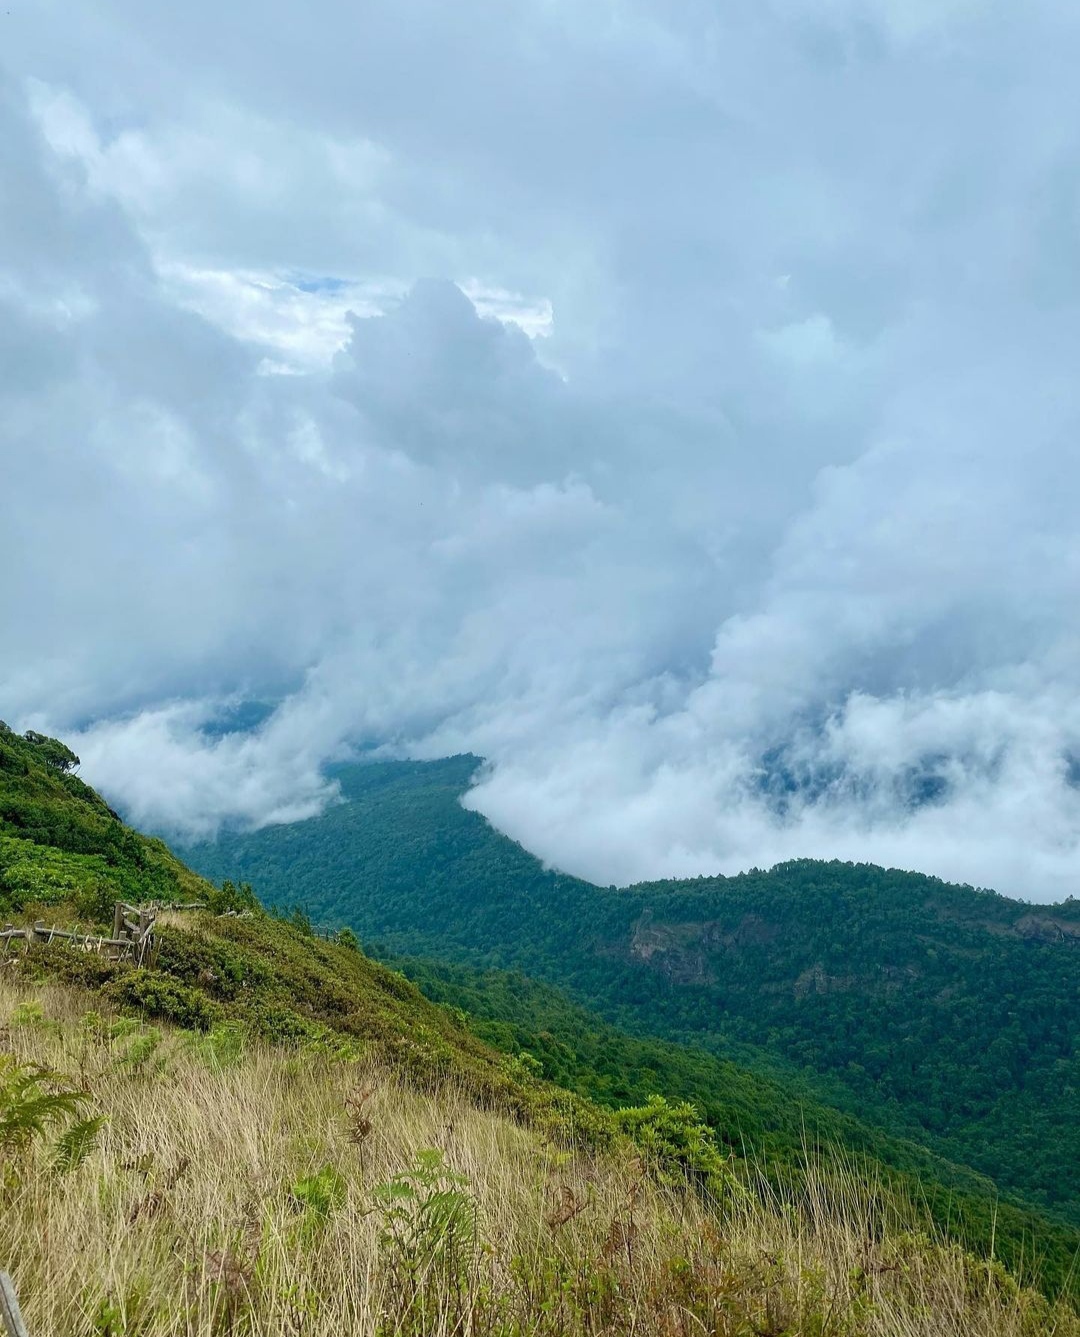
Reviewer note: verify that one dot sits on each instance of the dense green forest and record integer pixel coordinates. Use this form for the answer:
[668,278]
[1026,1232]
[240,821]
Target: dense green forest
[941,1013]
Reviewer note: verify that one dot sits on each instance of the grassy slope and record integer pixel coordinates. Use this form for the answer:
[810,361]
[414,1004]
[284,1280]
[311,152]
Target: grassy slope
[770,1123]
[240,1188]
[285,986]
[944,1014]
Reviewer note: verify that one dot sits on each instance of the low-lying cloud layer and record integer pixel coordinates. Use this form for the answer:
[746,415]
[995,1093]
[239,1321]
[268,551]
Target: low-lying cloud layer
[677,408]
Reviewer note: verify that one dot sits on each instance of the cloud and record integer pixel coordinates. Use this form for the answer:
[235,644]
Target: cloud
[678,409]
[269,775]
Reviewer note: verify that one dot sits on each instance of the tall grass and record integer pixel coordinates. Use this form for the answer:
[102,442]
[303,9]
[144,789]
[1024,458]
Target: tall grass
[231,1187]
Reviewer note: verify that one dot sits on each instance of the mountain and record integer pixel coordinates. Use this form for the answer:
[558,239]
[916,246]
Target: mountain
[941,1013]
[264,1130]
[66,858]
[60,842]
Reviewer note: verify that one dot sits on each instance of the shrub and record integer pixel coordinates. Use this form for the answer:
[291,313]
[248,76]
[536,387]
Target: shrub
[158,996]
[27,1014]
[676,1145]
[240,899]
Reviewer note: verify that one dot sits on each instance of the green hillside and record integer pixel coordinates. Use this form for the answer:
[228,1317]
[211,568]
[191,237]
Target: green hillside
[66,857]
[161,1180]
[941,1013]
[61,843]
[768,1122]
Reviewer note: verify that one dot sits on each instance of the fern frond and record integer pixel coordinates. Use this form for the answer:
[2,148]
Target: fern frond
[32,1099]
[79,1141]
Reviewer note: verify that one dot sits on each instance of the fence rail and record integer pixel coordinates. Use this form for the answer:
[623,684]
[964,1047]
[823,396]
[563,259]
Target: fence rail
[132,935]
[10,1315]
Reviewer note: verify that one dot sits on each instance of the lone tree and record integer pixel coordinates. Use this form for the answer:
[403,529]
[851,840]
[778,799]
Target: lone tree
[52,751]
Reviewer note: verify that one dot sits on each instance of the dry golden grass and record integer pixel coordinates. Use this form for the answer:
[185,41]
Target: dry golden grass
[192,1216]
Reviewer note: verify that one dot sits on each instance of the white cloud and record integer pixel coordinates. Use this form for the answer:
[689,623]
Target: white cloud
[715,566]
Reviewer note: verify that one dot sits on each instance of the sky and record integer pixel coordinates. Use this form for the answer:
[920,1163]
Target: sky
[675,404]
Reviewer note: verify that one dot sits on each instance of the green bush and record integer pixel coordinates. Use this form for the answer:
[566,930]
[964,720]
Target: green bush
[158,996]
[240,899]
[676,1145]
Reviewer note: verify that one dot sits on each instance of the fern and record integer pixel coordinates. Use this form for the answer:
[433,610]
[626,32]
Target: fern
[141,1054]
[320,1193]
[33,1099]
[27,1014]
[222,1047]
[429,1242]
[79,1141]
[428,1216]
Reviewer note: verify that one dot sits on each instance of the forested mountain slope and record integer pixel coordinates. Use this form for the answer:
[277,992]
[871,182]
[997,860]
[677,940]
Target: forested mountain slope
[940,1012]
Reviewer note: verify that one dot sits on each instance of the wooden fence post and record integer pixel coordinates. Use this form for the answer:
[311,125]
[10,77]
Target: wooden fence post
[9,1309]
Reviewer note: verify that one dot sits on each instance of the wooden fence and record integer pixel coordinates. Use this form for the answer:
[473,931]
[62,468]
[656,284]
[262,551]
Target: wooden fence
[10,1317]
[132,936]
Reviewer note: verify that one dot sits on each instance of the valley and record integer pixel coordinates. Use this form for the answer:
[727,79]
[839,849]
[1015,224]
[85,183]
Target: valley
[941,1013]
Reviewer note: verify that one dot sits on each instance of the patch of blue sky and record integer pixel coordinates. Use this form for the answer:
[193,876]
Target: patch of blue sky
[319,283]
